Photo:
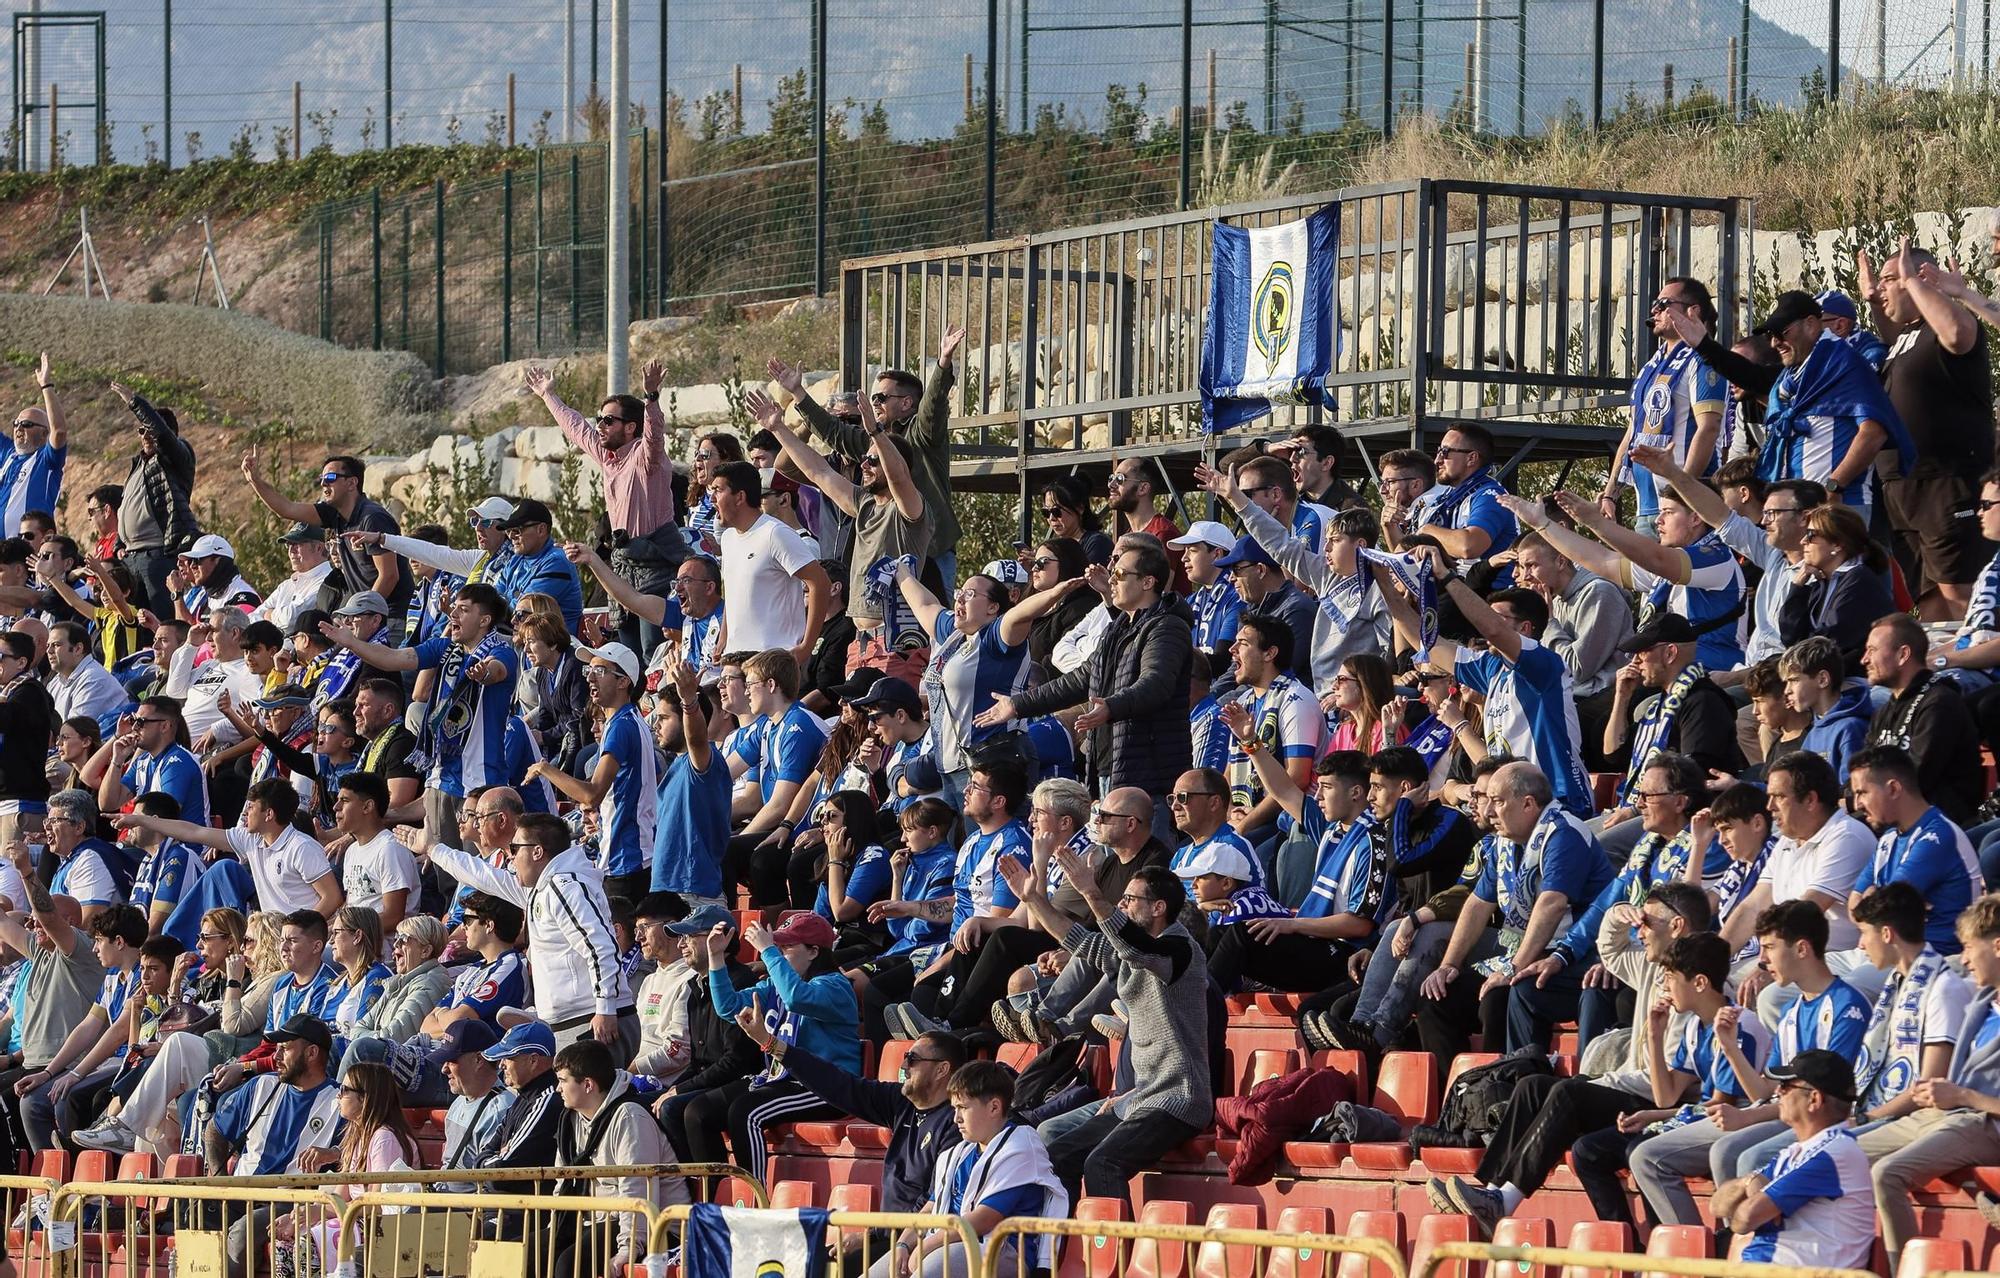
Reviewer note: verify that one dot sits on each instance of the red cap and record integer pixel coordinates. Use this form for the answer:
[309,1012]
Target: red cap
[805,928]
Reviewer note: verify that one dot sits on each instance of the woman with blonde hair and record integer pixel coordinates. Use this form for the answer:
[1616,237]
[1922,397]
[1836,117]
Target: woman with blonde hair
[418,986]
[355,939]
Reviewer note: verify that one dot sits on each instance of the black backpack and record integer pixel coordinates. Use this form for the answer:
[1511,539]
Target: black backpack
[1473,1106]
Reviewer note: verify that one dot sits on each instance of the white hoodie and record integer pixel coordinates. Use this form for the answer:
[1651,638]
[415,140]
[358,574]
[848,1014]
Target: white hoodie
[572,952]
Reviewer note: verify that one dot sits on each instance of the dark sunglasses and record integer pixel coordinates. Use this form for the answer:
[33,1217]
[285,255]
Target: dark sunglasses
[607,420]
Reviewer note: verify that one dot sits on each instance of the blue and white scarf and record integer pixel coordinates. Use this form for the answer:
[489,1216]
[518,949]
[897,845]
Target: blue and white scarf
[1414,574]
[1430,739]
[1892,1050]
[880,590]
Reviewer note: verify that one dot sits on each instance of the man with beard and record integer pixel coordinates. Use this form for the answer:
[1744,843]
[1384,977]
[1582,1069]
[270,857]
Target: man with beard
[1130,490]
[275,1121]
[891,521]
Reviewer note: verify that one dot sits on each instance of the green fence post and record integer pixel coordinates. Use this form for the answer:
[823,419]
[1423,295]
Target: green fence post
[437,363]
[507,266]
[539,246]
[388,74]
[375,239]
[575,253]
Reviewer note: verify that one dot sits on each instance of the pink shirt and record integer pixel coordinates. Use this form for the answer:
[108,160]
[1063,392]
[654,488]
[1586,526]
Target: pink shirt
[638,478]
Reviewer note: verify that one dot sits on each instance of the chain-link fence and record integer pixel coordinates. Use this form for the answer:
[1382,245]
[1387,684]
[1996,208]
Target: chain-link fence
[1102,112]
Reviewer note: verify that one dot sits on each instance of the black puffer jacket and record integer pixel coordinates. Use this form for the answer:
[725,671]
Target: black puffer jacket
[164,481]
[1141,669]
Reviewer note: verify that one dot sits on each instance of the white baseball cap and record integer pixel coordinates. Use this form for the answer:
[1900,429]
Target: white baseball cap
[1218,858]
[493,508]
[618,655]
[1206,532]
[209,544]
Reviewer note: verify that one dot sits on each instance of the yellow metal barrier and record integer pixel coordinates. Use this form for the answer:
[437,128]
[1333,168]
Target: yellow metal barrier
[743,1189]
[1454,1260]
[1241,1253]
[169,1228]
[859,1239]
[390,1235]
[31,1199]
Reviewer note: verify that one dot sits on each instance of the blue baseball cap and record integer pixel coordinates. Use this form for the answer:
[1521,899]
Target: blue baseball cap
[462,1038]
[1835,302]
[1247,551]
[532,1037]
[702,921]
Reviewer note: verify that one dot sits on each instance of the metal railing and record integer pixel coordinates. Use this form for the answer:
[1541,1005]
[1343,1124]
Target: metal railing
[410,1235]
[1521,306]
[857,1239]
[744,1189]
[1561,1260]
[1244,1253]
[173,1227]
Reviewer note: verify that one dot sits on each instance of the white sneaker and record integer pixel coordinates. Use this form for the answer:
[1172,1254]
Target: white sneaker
[110,1134]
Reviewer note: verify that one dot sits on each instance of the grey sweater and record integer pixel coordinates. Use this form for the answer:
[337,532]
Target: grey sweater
[1164,982]
[1332,643]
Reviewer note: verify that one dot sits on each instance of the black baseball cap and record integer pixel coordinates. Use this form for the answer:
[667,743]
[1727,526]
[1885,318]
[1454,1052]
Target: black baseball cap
[303,1028]
[1791,306]
[528,512]
[889,695]
[1828,1073]
[1668,627]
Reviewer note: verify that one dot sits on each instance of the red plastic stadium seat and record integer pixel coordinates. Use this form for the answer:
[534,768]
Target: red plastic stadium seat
[824,1135]
[1679,1242]
[1387,1226]
[93,1166]
[52,1163]
[1465,1061]
[1408,1087]
[791,1194]
[1299,1262]
[851,1197]
[1152,1259]
[891,1062]
[1434,1232]
[1018,1056]
[1094,1257]
[867,1136]
[1597,1235]
[1265,1065]
[1219,1260]
[1521,1231]
[736,1192]
[1932,1255]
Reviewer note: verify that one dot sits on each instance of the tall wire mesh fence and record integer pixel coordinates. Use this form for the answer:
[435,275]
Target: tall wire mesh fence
[1099,111]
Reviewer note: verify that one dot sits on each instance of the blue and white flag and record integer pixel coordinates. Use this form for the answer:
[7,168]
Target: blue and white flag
[1273,321]
[1414,572]
[751,1242]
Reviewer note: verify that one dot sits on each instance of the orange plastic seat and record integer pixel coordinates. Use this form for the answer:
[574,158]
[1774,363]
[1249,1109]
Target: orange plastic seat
[1299,1262]
[1932,1255]
[823,1136]
[1151,1259]
[736,1192]
[1521,1231]
[1682,1242]
[889,1065]
[867,1137]
[851,1197]
[1220,1260]
[1408,1087]
[790,1195]
[1094,1257]
[1385,1225]
[1597,1235]
[1265,1065]
[1018,1056]
[1434,1232]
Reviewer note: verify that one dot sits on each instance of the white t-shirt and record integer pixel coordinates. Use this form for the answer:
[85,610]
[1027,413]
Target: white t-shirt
[285,871]
[763,605]
[211,679]
[1828,862]
[292,596]
[369,871]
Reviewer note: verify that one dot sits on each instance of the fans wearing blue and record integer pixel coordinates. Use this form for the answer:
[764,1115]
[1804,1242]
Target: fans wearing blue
[977,655]
[1465,513]
[895,715]
[465,725]
[1217,605]
[88,869]
[538,565]
[693,815]
[273,1123]
[1544,868]
[623,784]
[147,755]
[1829,1015]
[32,458]
[1678,402]
[924,871]
[1918,845]
[1828,414]
[1284,718]
[1814,1204]
[1530,697]
[784,752]
[1687,571]
[1200,805]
